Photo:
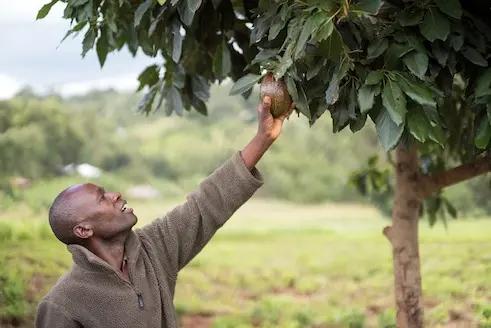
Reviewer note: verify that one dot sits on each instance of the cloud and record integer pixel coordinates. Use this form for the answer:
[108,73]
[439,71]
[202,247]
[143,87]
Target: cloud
[8,86]
[120,83]
[33,58]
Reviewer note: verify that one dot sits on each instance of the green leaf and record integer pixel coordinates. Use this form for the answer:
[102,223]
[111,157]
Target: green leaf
[149,76]
[474,56]
[185,13]
[308,29]
[89,40]
[414,43]
[222,63]
[437,135]
[394,53]
[262,25]
[440,52]
[145,104]
[199,105]
[394,101]
[174,102]
[332,47]
[275,28]
[366,96]
[314,69]
[358,123]
[435,26]
[369,6]
[141,10]
[193,5]
[176,40]
[340,115]
[483,84]
[450,7]
[302,103]
[416,62]
[374,77]
[418,124]
[263,55]
[102,49]
[389,133]
[411,16]
[456,41]
[285,63]
[450,208]
[75,29]
[292,88]
[332,92]
[417,92]
[200,87]
[244,84]
[483,134]
[75,3]
[376,48]
[161,2]
[43,12]
[324,31]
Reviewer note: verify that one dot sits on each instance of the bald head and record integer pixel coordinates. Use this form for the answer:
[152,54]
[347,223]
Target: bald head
[62,216]
[86,211]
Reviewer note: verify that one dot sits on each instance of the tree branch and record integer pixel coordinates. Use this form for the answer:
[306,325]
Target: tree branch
[438,181]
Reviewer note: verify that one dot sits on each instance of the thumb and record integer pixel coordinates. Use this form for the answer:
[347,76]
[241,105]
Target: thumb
[267,103]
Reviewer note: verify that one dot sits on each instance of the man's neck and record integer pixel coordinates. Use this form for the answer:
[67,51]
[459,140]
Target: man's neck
[111,251]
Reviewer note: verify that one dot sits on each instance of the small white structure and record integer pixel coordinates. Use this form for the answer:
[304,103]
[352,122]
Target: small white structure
[85,170]
[143,192]
[88,171]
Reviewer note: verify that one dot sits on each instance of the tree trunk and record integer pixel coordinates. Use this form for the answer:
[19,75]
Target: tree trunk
[403,236]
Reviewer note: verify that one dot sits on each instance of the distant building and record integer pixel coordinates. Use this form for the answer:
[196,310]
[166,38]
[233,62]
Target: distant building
[85,170]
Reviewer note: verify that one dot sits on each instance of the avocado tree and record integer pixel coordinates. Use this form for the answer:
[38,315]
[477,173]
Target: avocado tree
[417,69]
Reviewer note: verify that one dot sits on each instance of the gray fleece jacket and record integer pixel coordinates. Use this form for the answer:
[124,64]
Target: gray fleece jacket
[93,295]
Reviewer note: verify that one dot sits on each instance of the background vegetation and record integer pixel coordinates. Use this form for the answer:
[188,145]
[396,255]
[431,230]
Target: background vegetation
[297,225]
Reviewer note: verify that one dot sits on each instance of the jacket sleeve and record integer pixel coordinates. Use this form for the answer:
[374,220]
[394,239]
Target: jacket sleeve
[50,315]
[184,231]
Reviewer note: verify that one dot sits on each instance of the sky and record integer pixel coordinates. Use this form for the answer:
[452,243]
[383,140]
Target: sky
[31,55]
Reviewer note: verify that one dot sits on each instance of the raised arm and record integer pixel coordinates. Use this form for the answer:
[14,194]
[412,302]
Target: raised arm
[182,233]
[268,131]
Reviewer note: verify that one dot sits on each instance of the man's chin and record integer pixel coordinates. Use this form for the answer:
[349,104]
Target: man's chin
[135,219]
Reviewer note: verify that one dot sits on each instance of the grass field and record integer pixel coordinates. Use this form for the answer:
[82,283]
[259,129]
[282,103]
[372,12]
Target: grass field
[278,264]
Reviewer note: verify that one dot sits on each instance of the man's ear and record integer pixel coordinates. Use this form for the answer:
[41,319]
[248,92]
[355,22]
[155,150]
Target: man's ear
[83,230]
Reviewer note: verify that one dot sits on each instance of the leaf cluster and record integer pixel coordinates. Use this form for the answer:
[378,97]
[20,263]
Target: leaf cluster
[417,69]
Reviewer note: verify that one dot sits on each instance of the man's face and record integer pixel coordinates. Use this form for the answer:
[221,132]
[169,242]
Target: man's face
[106,212]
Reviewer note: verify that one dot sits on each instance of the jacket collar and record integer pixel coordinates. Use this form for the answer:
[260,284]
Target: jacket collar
[91,262]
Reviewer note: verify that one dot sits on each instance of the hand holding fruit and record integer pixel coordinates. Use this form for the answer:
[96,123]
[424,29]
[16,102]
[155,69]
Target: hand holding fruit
[275,106]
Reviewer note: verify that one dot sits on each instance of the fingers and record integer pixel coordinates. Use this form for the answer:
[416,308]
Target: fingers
[265,104]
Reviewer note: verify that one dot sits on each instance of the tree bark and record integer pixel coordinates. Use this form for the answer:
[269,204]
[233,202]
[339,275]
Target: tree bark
[434,183]
[403,236]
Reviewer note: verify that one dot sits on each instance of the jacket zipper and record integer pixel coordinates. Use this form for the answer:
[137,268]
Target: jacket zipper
[140,301]
[139,295]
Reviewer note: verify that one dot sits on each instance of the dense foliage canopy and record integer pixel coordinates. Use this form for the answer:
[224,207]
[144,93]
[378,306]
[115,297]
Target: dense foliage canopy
[401,63]
[418,69]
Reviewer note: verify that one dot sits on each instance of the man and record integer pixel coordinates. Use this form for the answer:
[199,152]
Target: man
[125,278]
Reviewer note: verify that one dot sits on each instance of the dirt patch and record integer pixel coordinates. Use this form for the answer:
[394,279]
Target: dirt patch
[459,318]
[292,292]
[196,321]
